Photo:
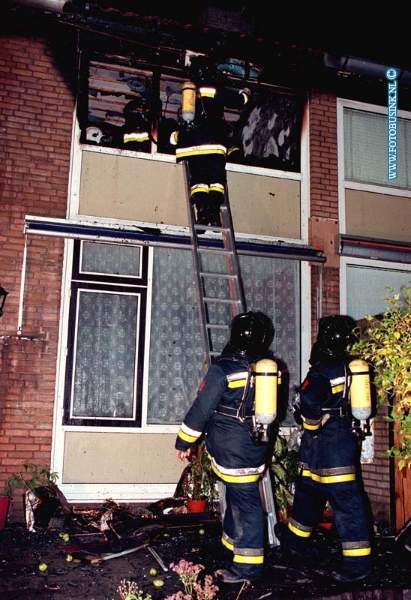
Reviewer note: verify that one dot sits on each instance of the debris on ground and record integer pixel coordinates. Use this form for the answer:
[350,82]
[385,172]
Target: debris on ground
[96,548]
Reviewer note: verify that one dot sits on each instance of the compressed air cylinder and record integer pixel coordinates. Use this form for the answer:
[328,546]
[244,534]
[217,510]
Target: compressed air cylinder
[360,390]
[265,383]
[188,101]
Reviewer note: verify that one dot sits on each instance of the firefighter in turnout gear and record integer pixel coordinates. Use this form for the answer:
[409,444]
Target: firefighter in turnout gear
[223,412]
[136,131]
[329,456]
[203,137]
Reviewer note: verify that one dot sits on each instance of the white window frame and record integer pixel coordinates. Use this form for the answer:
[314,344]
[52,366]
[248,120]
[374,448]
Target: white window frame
[351,185]
[347,261]
[88,492]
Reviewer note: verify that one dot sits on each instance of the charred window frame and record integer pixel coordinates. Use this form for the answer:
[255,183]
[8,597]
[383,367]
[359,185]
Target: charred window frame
[268,130]
[105,348]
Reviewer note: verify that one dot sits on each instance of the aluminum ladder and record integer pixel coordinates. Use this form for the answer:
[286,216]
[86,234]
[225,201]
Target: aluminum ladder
[215,259]
[216,265]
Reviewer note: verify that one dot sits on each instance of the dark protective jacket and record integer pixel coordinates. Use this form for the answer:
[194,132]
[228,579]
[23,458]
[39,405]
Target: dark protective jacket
[329,451]
[209,133]
[234,455]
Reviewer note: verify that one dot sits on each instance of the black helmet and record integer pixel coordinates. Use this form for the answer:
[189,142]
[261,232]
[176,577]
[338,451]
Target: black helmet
[251,332]
[136,112]
[202,70]
[335,333]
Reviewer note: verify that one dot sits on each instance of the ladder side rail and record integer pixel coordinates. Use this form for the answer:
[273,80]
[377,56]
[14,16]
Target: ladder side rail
[205,341]
[266,489]
[237,290]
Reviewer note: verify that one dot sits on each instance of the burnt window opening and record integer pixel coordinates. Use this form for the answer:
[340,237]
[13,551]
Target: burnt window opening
[121,100]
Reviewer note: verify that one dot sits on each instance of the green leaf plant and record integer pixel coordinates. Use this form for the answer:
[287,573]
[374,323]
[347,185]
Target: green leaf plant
[384,341]
[201,482]
[28,478]
[284,469]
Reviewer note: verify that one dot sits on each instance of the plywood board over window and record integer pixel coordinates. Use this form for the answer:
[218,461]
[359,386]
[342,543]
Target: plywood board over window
[143,190]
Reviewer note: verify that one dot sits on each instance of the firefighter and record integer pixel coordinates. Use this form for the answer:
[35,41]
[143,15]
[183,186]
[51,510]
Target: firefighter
[329,456]
[136,131]
[222,411]
[202,139]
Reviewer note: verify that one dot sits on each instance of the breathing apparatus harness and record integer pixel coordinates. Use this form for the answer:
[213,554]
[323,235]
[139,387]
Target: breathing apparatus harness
[356,405]
[262,377]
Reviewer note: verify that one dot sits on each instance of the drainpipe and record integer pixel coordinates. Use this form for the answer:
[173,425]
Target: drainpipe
[352,64]
[54,6]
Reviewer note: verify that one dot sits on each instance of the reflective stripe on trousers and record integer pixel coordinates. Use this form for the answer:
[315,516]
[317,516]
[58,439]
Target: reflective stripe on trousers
[243,528]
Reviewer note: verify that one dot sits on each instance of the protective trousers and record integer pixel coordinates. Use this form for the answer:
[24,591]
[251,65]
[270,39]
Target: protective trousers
[208,179]
[243,529]
[350,518]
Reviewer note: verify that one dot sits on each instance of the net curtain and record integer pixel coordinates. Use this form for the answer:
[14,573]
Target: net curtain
[176,355]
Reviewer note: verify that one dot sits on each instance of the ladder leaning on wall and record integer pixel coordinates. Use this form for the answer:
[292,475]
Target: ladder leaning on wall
[213,322]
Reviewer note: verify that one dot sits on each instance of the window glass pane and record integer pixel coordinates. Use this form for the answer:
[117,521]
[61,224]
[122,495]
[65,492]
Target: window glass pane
[368,289]
[104,378]
[366,149]
[111,259]
[176,362]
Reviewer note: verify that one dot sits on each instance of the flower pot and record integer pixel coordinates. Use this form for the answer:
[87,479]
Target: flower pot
[4,508]
[196,506]
[283,514]
[327,520]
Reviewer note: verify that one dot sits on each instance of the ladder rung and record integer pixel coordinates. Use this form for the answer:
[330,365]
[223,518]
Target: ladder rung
[216,251]
[222,300]
[216,228]
[217,326]
[220,275]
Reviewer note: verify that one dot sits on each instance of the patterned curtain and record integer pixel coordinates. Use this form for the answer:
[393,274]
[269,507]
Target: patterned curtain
[105,372]
[176,358]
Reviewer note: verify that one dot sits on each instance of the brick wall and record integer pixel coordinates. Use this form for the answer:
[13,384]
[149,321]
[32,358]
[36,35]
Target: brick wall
[36,108]
[324,204]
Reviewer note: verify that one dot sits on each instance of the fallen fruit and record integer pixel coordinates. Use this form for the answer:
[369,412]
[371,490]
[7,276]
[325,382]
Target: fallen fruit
[65,537]
[153,572]
[69,558]
[42,566]
[201,531]
[158,582]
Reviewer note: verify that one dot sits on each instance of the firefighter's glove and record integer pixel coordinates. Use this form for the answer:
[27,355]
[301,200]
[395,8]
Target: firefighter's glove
[325,419]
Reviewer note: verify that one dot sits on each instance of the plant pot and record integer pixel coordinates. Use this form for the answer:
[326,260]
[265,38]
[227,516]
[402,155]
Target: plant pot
[282,514]
[4,508]
[327,520]
[196,506]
